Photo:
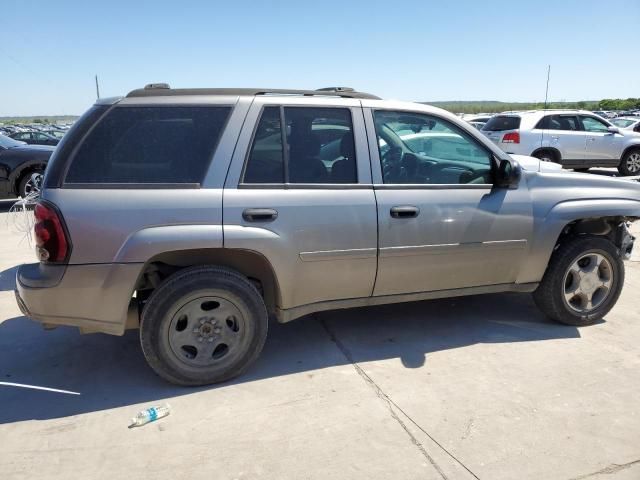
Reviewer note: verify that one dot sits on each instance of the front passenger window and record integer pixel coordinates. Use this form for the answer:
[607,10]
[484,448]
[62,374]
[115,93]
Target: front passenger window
[594,125]
[423,149]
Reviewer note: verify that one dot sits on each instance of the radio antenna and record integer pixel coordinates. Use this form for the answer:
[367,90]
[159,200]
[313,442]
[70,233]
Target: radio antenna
[546,93]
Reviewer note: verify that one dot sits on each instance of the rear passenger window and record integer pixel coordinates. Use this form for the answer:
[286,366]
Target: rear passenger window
[266,160]
[155,145]
[317,147]
[559,122]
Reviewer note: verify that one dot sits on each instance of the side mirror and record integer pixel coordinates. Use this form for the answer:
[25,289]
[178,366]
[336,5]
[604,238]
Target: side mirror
[508,174]
[612,129]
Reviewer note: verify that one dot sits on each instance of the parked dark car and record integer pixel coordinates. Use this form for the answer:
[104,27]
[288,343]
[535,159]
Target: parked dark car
[21,166]
[36,138]
[57,133]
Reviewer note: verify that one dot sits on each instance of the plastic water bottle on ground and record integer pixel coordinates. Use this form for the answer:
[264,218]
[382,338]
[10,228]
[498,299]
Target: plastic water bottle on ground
[150,415]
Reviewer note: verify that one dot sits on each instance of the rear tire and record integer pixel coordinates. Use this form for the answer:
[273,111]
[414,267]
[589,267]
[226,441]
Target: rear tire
[546,156]
[583,281]
[630,163]
[203,325]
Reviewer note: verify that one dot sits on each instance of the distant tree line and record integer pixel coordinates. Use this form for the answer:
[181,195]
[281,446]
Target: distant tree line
[48,119]
[619,104]
[496,107]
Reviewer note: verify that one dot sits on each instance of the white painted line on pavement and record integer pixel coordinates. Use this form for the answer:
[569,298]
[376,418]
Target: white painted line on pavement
[35,387]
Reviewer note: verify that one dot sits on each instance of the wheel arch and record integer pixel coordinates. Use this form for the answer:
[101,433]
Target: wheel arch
[27,167]
[568,219]
[556,153]
[629,149]
[249,263]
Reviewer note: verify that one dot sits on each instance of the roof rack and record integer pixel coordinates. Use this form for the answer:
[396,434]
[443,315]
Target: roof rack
[163,89]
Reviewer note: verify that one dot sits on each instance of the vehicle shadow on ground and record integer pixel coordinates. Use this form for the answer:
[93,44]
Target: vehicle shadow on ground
[5,205]
[110,371]
[8,279]
[608,172]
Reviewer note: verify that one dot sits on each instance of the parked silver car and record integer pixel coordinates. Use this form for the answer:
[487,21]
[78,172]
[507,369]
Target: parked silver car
[627,123]
[573,138]
[196,214]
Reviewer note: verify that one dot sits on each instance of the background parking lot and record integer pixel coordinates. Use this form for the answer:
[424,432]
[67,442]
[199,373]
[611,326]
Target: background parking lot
[481,386]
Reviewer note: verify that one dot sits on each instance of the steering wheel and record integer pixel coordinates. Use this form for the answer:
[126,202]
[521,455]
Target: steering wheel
[392,164]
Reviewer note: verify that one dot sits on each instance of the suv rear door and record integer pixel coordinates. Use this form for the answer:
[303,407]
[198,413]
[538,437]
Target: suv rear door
[302,197]
[442,223]
[563,132]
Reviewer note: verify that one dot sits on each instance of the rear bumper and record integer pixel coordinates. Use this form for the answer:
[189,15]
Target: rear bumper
[95,298]
[5,186]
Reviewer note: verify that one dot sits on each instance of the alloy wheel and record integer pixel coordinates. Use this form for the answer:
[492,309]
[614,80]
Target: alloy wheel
[633,162]
[33,185]
[588,282]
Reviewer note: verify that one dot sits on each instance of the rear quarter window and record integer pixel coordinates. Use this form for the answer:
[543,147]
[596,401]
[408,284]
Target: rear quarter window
[502,122]
[149,145]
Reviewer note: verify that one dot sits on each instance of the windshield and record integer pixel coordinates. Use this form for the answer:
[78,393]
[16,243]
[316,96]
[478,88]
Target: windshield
[623,122]
[7,142]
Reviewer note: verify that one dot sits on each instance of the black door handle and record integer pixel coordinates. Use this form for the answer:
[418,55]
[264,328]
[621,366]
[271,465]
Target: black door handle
[405,211]
[260,214]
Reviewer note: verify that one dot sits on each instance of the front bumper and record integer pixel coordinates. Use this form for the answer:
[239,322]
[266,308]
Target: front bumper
[94,298]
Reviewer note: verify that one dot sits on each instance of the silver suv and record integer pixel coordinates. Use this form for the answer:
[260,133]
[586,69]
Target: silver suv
[194,215]
[573,138]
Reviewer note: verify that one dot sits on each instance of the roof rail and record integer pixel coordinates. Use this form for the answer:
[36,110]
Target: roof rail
[163,89]
[152,86]
[335,89]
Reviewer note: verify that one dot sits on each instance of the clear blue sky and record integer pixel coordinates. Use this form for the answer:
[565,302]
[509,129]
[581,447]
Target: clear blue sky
[409,50]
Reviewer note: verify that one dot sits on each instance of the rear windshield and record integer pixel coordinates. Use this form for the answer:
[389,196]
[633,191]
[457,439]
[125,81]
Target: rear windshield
[163,145]
[502,122]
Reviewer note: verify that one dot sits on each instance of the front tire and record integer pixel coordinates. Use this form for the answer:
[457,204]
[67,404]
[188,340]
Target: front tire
[630,163]
[583,281]
[203,325]
[30,184]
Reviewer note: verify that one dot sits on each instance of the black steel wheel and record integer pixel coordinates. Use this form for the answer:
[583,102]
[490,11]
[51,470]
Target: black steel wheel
[203,325]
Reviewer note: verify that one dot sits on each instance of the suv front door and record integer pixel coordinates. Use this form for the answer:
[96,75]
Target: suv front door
[299,193]
[603,146]
[442,224]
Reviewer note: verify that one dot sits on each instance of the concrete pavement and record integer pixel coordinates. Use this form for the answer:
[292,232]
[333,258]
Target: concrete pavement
[477,387]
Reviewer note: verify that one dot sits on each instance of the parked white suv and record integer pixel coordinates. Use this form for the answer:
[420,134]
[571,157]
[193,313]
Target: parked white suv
[573,138]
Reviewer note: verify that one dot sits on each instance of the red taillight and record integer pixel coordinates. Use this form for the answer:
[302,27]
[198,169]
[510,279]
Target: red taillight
[52,244]
[513,137]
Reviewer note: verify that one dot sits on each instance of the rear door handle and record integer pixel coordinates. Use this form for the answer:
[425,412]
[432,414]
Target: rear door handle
[260,214]
[405,211]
